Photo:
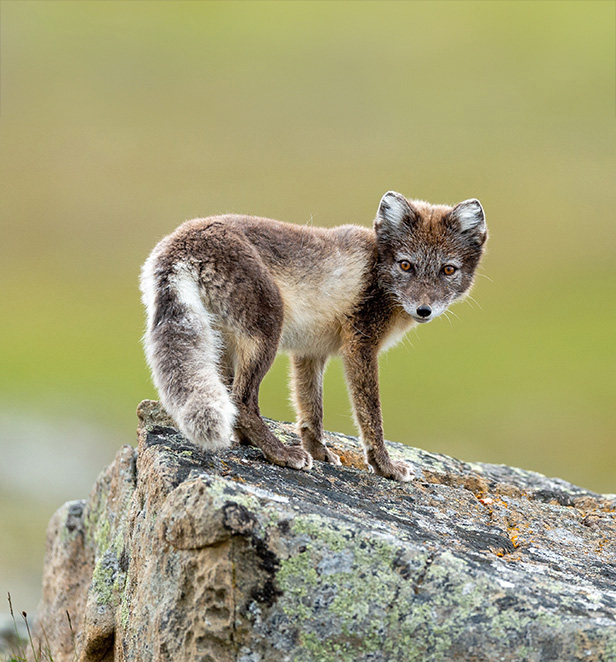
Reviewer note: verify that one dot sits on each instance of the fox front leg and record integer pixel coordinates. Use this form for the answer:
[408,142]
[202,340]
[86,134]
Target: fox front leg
[361,368]
[307,388]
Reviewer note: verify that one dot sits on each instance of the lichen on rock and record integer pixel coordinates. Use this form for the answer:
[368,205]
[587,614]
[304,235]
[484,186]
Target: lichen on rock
[179,554]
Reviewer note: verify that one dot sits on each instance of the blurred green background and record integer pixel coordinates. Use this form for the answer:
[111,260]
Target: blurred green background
[119,120]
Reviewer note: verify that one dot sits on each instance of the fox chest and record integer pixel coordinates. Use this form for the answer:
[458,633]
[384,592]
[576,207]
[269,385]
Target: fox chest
[313,312]
[316,300]
[310,327]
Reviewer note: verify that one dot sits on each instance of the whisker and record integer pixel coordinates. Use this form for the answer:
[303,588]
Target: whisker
[468,296]
[446,314]
[415,331]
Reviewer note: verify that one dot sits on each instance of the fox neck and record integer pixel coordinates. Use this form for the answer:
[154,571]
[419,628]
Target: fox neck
[379,319]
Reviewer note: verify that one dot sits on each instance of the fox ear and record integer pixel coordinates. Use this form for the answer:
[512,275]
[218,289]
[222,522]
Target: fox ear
[394,210]
[469,217]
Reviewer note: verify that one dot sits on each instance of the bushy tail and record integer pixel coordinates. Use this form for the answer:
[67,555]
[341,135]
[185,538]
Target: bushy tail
[183,351]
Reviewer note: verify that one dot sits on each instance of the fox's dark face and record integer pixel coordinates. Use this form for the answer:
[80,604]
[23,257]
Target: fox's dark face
[428,254]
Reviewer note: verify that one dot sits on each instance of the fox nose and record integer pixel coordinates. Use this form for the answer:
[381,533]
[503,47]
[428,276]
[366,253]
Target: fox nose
[424,311]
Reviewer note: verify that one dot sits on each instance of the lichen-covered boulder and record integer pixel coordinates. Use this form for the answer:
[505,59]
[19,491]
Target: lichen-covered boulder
[180,555]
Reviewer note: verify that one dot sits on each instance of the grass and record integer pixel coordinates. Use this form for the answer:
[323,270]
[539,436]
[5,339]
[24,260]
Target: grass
[41,652]
[19,645]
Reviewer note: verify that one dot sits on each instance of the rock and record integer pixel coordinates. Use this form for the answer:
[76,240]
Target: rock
[179,554]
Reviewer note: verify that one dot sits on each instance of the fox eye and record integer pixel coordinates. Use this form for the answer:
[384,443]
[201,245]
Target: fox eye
[449,270]
[405,265]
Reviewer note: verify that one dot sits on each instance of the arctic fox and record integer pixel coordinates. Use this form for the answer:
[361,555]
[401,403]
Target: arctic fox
[224,294]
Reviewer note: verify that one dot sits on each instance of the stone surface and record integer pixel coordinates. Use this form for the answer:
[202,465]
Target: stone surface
[180,555]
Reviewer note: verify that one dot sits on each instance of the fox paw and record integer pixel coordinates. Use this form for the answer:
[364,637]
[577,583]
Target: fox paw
[331,457]
[293,456]
[323,454]
[394,470]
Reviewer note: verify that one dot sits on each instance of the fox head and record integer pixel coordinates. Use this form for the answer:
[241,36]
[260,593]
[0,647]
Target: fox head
[427,253]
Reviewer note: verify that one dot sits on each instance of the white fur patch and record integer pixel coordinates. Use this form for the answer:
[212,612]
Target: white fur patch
[187,289]
[469,214]
[147,285]
[393,208]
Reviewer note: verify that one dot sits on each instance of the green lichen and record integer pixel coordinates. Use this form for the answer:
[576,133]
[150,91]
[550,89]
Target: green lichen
[107,576]
[96,524]
[124,611]
[297,577]
[118,543]
[102,533]
[610,649]
[364,592]
[272,517]
[314,649]
[322,530]
[185,453]
[102,581]
[371,609]
[68,534]
[108,580]
[218,490]
[266,514]
[280,435]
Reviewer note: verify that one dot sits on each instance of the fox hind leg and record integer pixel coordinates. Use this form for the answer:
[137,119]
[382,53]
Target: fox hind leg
[253,328]
[253,360]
